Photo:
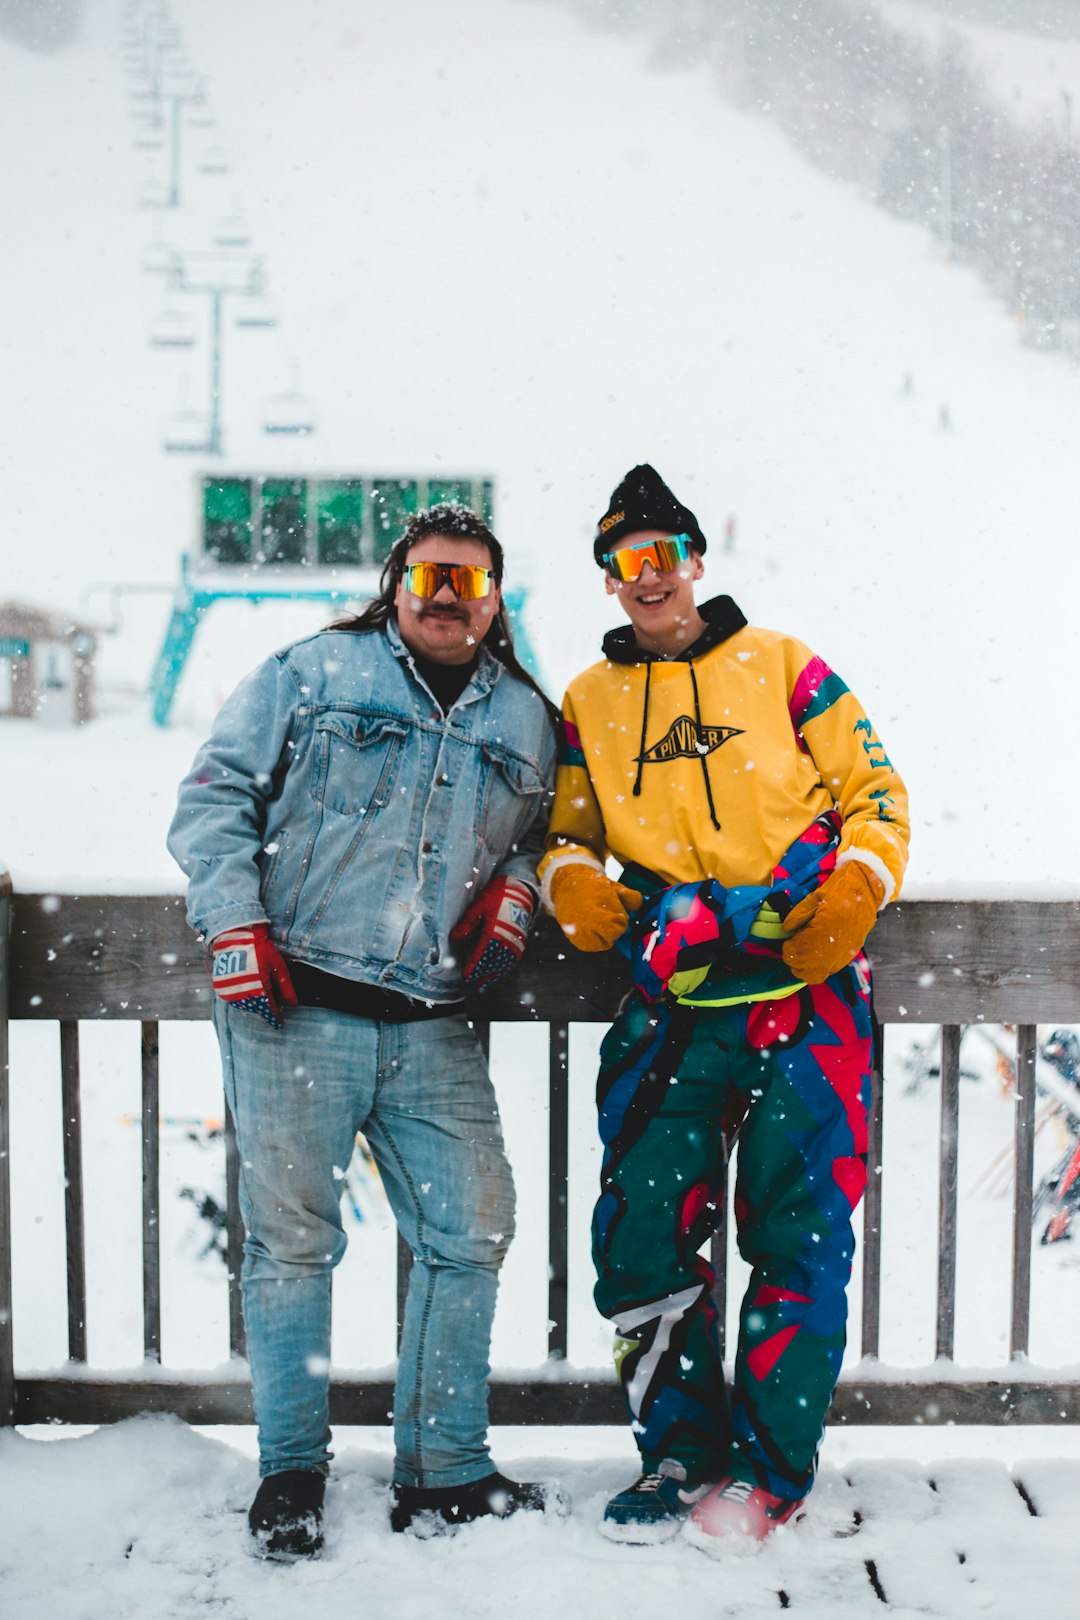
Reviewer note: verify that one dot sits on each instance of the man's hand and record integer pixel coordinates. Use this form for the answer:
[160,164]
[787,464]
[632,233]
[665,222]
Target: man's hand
[832,922]
[591,909]
[248,971]
[499,918]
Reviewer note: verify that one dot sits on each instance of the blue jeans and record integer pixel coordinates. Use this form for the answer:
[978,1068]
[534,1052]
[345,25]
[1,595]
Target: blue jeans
[421,1094]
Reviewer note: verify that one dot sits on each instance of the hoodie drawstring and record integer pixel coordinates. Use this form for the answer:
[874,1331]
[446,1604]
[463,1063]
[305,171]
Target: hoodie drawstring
[644,724]
[702,757]
[697,726]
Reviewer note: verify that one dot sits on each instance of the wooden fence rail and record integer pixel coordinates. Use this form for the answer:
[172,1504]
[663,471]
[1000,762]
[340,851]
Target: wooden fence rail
[69,958]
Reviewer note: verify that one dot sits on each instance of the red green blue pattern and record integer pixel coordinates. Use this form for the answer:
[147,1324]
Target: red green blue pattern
[570,749]
[676,1083]
[816,690]
[705,925]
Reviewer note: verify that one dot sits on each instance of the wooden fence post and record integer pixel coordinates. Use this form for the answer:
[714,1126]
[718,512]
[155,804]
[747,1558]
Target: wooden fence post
[7,1346]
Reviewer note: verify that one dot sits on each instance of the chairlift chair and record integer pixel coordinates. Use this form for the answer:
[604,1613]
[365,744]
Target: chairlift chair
[155,194]
[290,413]
[215,160]
[232,232]
[255,312]
[159,259]
[179,81]
[172,329]
[186,432]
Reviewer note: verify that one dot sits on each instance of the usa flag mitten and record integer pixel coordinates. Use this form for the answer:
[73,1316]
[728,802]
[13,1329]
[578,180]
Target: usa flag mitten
[249,972]
[499,918]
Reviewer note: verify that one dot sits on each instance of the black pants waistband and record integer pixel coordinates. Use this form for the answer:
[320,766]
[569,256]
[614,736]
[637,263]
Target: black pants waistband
[316,988]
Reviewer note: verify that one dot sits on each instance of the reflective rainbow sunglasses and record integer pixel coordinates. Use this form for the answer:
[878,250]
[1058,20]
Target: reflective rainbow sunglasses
[467,582]
[626,563]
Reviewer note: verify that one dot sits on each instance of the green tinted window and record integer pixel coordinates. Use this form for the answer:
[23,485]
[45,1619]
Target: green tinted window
[339,512]
[227,523]
[283,521]
[393,500]
[457,490]
[475,493]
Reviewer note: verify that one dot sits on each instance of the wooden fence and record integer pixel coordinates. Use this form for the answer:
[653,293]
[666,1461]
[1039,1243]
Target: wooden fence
[69,957]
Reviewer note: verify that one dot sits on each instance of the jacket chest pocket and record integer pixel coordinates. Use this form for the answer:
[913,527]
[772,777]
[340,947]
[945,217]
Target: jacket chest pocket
[356,761]
[511,790]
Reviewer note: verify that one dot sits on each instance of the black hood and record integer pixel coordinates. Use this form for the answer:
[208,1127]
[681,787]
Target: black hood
[722,618]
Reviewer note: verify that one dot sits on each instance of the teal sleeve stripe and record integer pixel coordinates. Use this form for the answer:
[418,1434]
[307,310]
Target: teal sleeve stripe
[569,755]
[826,695]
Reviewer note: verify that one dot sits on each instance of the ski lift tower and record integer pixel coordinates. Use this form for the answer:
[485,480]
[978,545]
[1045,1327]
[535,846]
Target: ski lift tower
[286,538]
[162,87]
[218,274]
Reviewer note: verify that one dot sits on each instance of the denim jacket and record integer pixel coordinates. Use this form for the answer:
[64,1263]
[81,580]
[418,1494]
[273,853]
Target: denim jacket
[336,802]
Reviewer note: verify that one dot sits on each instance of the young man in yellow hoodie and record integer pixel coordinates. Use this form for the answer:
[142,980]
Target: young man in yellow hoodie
[760,827]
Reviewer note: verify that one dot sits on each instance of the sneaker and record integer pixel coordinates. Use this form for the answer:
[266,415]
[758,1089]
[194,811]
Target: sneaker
[653,1508]
[285,1518]
[431,1510]
[734,1517]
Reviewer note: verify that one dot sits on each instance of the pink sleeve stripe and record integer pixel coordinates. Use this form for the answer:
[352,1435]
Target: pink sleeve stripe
[813,676]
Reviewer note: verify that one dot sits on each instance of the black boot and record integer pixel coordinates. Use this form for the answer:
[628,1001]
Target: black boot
[493,1497]
[285,1518]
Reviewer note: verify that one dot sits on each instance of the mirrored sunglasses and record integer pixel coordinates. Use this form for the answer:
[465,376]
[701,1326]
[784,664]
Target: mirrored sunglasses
[626,563]
[467,582]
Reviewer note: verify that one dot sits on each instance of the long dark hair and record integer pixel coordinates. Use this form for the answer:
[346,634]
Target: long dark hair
[452,520]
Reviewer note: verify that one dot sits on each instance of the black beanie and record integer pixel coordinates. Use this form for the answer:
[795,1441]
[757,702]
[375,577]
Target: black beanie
[643,501]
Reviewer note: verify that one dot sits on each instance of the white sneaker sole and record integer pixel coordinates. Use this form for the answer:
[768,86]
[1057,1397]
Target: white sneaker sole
[640,1535]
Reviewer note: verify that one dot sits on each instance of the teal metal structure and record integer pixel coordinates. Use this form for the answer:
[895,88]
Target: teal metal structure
[256,529]
[193,601]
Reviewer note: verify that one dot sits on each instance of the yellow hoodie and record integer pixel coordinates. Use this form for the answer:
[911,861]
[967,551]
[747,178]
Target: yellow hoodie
[711,764]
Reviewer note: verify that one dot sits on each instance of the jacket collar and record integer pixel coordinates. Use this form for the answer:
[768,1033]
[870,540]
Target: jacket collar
[722,618]
[487,671]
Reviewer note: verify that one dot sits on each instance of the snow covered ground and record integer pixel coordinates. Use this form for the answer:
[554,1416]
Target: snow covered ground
[499,243]
[147,1520]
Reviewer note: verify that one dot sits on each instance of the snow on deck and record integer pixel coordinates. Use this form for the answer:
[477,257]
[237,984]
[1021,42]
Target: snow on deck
[148,1518]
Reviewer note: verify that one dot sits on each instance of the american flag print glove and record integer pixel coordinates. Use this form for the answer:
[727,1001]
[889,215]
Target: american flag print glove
[499,918]
[249,972]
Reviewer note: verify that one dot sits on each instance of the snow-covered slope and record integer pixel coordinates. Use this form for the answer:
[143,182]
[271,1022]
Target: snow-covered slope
[498,242]
[1032,72]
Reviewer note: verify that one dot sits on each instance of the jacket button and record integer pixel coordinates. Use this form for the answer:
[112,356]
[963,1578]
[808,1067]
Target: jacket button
[441,781]
[425,847]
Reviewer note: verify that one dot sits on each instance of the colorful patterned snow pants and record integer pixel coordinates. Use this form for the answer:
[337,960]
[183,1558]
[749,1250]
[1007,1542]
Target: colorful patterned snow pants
[792,1078]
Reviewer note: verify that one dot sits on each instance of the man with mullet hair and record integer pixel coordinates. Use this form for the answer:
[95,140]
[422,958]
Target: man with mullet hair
[360,836]
[760,827]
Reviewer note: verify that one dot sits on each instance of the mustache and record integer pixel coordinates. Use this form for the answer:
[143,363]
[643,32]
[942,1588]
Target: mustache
[445,608]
